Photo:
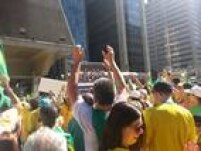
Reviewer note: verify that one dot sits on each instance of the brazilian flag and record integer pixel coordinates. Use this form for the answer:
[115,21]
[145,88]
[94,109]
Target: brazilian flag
[4,78]
[5,101]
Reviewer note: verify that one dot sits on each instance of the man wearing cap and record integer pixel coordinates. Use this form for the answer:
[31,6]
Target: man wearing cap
[196,110]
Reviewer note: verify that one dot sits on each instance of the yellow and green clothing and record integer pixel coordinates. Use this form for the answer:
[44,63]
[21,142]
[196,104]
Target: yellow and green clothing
[76,131]
[196,110]
[168,127]
[67,136]
[29,120]
[25,114]
[4,77]
[66,113]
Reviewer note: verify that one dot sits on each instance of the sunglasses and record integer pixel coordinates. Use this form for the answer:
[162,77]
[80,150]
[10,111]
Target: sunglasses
[138,128]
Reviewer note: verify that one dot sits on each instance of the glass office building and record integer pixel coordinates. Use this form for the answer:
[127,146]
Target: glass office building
[74,11]
[108,21]
[174,34]
[102,27]
[134,34]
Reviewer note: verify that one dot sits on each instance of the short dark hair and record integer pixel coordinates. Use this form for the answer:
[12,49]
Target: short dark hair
[121,116]
[103,91]
[187,86]
[33,103]
[88,98]
[48,115]
[176,81]
[163,88]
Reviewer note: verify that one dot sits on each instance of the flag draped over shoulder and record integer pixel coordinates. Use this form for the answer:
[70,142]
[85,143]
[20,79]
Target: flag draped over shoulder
[3,68]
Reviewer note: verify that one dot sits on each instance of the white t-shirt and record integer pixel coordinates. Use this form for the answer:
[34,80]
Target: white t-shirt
[9,120]
[82,113]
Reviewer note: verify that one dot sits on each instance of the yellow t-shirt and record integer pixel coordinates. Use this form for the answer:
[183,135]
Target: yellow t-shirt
[168,127]
[25,114]
[33,120]
[66,113]
[29,121]
[119,149]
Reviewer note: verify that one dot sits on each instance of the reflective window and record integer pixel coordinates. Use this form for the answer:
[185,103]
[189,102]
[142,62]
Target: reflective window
[75,12]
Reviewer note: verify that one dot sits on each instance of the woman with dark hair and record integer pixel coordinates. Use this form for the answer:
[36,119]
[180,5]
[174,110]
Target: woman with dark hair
[123,128]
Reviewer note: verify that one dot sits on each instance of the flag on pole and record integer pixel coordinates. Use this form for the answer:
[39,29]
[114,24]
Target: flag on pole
[5,101]
[4,77]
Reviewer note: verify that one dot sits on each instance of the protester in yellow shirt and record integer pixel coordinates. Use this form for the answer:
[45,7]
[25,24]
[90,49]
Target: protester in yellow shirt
[30,115]
[25,114]
[66,113]
[168,126]
[123,128]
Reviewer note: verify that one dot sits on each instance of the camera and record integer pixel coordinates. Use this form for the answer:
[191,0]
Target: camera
[105,49]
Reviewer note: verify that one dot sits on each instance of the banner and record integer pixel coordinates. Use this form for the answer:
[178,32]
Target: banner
[52,86]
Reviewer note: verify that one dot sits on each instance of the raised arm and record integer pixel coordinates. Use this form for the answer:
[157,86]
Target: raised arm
[10,93]
[136,81]
[109,59]
[108,69]
[72,91]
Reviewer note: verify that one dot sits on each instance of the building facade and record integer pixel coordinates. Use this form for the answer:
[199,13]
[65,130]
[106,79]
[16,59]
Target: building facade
[174,35]
[35,36]
[119,24]
[75,14]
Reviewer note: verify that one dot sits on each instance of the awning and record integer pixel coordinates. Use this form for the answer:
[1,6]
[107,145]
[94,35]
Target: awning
[32,58]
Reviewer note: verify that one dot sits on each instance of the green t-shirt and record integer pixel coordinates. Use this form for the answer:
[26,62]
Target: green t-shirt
[196,110]
[99,118]
[75,130]
[67,136]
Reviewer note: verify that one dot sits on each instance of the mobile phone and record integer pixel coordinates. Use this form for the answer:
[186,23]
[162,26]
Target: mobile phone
[105,49]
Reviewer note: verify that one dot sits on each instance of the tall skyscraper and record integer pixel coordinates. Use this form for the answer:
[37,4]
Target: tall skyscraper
[174,34]
[75,14]
[119,24]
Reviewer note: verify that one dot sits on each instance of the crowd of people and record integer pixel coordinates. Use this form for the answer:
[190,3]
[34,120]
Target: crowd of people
[115,115]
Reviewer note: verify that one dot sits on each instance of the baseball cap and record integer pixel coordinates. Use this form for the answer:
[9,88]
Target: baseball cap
[196,91]
[135,94]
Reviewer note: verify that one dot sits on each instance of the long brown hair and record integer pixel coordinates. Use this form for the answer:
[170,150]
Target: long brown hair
[121,116]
